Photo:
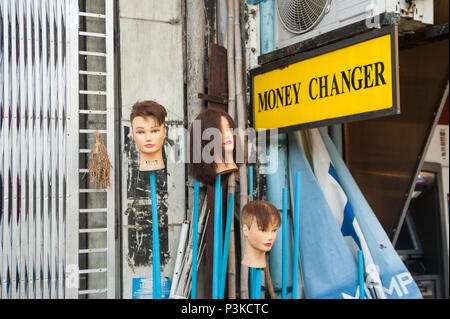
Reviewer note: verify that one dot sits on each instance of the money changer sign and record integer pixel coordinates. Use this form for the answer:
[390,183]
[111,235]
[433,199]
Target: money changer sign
[353,80]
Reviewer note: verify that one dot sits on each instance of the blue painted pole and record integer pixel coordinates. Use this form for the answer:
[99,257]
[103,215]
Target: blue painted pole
[336,136]
[226,246]
[220,254]
[267,26]
[250,181]
[255,286]
[216,252]
[361,274]
[155,239]
[296,234]
[194,242]
[284,246]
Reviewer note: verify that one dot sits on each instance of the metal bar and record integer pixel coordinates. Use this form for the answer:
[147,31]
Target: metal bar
[93,291]
[92,53]
[22,148]
[45,108]
[93,230]
[52,144]
[92,92]
[72,219]
[93,210]
[110,143]
[93,250]
[92,34]
[2,114]
[61,152]
[89,131]
[5,135]
[93,112]
[38,143]
[92,15]
[93,190]
[31,155]
[92,73]
[15,247]
[91,271]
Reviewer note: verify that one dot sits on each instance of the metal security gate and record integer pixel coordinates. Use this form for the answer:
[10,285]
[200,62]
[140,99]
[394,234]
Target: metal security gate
[41,165]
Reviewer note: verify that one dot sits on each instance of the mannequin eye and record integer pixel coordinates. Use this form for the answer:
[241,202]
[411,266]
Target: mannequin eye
[155,130]
[139,132]
[262,229]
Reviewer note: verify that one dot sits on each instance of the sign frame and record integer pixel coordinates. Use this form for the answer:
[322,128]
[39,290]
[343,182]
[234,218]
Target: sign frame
[284,62]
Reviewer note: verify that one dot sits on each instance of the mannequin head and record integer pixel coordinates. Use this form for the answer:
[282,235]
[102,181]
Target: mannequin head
[223,153]
[147,122]
[260,221]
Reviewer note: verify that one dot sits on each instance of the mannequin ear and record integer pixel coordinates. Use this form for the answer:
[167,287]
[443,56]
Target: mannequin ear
[245,230]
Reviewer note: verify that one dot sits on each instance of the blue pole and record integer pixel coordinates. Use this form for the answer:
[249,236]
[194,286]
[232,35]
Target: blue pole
[220,241]
[226,245]
[361,274]
[296,234]
[255,283]
[194,242]
[216,253]
[250,181]
[155,239]
[267,26]
[284,247]
[336,136]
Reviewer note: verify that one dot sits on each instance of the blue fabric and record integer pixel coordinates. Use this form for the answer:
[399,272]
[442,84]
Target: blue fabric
[328,266]
[395,277]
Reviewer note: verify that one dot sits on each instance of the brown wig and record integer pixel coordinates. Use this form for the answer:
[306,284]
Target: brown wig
[149,108]
[264,212]
[209,118]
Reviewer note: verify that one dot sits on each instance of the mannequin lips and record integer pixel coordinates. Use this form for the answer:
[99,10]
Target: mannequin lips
[228,142]
[267,244]
[149,145]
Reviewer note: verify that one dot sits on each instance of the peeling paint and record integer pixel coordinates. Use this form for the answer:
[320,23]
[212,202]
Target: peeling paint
[139,212]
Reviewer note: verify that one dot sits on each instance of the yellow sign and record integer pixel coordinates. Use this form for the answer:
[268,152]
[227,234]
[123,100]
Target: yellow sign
[358,81]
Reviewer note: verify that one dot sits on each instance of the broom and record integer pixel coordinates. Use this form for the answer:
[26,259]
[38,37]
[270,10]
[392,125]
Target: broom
[99,164]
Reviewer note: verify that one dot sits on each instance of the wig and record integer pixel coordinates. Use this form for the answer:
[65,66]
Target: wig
[202,171]
[264,212]
[149,108]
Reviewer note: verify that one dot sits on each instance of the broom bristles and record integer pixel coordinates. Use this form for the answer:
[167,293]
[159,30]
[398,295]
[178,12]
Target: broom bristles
[99,164]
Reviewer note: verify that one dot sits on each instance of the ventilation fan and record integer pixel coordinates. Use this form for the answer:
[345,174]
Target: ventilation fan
[299,20]
[299,16]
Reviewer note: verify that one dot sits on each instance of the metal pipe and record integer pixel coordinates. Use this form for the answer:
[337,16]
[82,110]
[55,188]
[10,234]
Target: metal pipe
[179,259]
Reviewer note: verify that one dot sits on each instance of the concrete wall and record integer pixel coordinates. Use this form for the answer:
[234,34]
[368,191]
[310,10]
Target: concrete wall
[151,67]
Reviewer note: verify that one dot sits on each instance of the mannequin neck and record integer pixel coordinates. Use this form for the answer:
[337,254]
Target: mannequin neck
[253,257]
[151,162]
[224,168]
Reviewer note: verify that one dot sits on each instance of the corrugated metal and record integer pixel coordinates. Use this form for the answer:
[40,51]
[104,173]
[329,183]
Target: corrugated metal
[40,136]
[33,154]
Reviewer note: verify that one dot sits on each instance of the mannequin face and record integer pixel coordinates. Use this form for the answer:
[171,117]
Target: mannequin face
[259,238]
[148,135]
[227,135]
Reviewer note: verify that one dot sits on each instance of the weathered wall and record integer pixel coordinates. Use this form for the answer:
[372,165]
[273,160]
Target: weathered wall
[151,67]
